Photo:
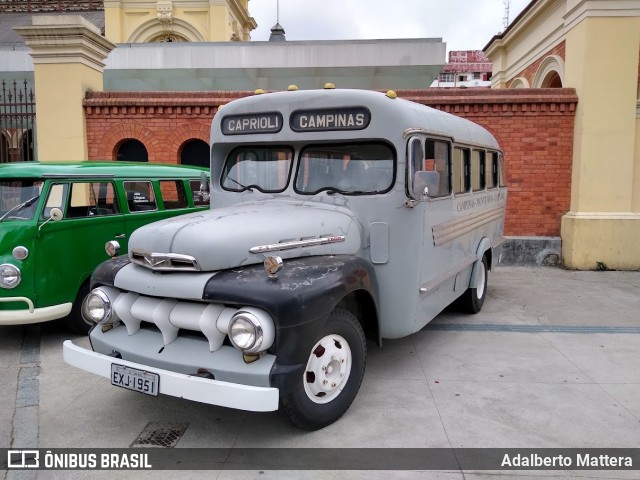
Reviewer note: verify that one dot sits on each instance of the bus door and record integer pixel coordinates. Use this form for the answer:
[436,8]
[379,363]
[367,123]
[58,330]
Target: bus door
[430,184]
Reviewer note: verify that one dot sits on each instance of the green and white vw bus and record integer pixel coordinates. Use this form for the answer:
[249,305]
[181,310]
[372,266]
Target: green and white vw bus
[56,217]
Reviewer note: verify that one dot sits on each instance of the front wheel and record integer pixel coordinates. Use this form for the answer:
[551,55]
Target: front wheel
[333,374]
[74,321]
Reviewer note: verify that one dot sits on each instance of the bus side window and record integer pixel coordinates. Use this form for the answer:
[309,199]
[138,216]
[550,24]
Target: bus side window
[500,169]
[493,169]
[461,170]
[437,159]
[478,177]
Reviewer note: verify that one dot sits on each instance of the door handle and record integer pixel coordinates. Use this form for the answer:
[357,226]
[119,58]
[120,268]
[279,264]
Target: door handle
[120,235]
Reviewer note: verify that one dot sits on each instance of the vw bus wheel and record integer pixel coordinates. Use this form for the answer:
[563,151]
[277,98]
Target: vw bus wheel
[74,321]
[473,299]
[332,376]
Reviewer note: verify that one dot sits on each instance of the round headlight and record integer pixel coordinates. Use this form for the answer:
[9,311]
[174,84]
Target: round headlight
[96,307]
[9,276]
[245,332]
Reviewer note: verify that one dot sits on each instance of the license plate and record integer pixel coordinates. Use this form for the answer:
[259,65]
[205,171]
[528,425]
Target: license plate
[134,379]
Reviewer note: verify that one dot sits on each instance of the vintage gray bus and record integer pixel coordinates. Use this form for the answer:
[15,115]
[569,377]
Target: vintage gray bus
[336,215]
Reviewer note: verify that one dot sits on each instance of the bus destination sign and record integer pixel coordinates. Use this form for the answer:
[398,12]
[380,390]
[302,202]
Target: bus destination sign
[354,118]
[252,123]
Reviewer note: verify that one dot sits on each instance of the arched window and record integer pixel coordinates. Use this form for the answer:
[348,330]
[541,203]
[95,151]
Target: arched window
[131,150]
[195,152]
[4,149]
[169,38]
[26,147]
[552,80]
[550,73]
[520,82]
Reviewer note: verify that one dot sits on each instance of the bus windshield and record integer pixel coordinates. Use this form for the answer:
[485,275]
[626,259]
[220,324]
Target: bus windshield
[363,168]
[263,168]
[19,199]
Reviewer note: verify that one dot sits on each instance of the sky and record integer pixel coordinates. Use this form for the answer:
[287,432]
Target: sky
[462,24]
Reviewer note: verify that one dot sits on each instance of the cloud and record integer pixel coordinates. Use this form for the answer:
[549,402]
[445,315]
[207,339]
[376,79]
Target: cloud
[462,24]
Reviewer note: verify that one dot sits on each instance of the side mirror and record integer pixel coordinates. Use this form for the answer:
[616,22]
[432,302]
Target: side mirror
[426,184]
[204,186]
[55,214]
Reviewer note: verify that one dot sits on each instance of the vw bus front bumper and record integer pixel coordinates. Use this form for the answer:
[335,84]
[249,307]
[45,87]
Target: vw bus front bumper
[32,314]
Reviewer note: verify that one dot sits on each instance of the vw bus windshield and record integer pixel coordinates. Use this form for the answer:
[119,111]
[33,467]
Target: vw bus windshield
[362,168]
[19,199]
[264,168]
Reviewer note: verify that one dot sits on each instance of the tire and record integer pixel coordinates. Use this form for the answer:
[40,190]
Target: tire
[335,368]
[74,320]
[472,299]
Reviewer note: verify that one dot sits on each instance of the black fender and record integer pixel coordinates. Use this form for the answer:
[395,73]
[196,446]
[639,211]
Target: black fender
[299,300]
[105,273]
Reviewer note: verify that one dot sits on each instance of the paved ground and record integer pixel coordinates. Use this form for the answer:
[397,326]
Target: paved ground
[553,360]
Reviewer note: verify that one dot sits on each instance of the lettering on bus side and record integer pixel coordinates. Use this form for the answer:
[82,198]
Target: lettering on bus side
[252,123]
[353,118]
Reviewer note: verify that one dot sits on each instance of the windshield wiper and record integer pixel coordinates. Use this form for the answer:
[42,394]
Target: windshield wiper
[20,206]
[238,183]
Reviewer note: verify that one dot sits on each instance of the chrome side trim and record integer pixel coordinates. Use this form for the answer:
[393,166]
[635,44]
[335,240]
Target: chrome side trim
[445,232]
[275,247]
[432,285]
[164,262]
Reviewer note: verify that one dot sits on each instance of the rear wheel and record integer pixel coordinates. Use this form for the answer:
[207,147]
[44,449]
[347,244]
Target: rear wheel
[74,321]
[333,374]
[472,300]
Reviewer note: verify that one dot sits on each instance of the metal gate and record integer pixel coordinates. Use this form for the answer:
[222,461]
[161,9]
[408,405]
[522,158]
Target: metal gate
[17,122]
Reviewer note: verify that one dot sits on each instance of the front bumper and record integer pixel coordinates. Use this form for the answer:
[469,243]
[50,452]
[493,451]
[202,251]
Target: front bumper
[32,314]
[212,392]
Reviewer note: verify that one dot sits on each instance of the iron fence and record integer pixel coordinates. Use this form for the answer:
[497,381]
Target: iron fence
[17,122]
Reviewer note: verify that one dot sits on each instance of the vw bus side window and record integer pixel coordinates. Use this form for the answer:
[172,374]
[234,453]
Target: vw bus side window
[356,168]
[92,199]
[264,168]
[57,198]
[140,196]
[173,194]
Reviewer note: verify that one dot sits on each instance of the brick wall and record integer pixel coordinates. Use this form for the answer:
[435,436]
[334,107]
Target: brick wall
[533,126]
[530,72]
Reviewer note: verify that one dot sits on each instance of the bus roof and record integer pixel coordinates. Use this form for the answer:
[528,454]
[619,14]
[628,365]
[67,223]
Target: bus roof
[97,169]
[389,117]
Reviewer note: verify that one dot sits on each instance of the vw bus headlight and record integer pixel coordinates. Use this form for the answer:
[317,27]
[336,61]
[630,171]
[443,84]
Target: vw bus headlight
[96,307]
[10,276]
[251,330]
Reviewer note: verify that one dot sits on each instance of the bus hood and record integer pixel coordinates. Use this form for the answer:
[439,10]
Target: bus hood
[226,237]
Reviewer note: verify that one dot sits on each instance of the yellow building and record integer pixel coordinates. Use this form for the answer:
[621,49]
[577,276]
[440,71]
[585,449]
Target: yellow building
[594,47]
[142,21]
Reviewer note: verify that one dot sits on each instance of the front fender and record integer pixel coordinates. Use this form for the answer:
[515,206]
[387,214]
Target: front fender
[105,273]
[305,289]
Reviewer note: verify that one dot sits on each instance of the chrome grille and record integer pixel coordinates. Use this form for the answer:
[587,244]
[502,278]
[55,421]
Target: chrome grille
[164,262]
